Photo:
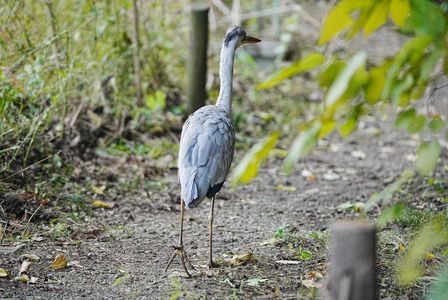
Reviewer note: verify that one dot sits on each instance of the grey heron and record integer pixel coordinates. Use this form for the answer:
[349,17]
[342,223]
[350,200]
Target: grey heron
[207,144]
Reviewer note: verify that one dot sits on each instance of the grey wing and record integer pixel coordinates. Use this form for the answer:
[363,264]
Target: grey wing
[205,156]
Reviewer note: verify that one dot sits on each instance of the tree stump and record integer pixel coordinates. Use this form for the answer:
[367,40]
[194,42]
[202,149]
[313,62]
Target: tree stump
[352,274]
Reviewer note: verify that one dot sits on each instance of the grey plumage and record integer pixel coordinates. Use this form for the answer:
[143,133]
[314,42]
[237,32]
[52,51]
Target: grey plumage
[207,144]
[234,32]
[205,154]
[208,137]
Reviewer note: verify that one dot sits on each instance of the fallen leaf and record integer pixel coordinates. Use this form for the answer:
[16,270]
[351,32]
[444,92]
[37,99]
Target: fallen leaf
[117,280]
[75,264]
[305,173]
[288,262]
[312,191]
[33,279]
[401,248]
[30,256]
[314,275]
[26,279]
[311,178]
[308,283]
[429,256]
[308,175]
[273,241]
[334,148]
[227,280]
[44,201]
[349,206]
[358,154]
[99,190]
[286,188]
[22,278]
[255,281]
[331,176]
[103,204]
[60,262]
[3,273]
[241,259]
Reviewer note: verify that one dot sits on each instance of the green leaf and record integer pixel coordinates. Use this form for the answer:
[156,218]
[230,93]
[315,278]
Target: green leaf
[429,63]
[377,17]
[426,18]
[339,18]
[400,89]
[157,101]
[439,287]
[436,125]
[375,85]
[307,63]
[433,234]
[305,255]
[417,125]
[385,195]
[301,146]
[340,85]
[409,120]
[364,15]
[330,73]
[427,156]
[248,167]
[405,118]
[399,11]
[328,124]
[351,122]
[412,50]
[390,214]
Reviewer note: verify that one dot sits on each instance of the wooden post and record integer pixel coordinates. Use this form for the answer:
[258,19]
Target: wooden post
[352,274]
[136,53]
[197,73]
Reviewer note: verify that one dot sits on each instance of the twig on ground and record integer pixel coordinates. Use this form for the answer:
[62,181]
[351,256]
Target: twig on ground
[24,267]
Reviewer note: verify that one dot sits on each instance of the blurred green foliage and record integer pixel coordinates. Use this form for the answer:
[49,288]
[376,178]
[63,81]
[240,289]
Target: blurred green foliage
[68,62]
[355,87]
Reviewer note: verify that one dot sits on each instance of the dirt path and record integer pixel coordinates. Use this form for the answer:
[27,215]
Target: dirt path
[123,251]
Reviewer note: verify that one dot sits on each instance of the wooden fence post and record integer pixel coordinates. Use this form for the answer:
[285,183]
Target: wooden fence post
[136,53]
[197,69]
[352,274]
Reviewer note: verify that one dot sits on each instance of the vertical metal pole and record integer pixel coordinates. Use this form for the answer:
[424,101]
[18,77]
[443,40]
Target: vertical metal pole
[197,73]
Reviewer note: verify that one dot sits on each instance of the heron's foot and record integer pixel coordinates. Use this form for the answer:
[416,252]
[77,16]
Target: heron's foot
[211,264]
[180,251]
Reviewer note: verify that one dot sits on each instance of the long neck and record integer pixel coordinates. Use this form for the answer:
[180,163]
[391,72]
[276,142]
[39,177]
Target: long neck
[226,77]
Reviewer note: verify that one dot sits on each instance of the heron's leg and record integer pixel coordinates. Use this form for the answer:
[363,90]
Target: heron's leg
[179,250]
[211,264]
[183,255]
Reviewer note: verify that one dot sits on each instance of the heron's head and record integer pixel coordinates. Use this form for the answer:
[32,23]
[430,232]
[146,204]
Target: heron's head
[236,37]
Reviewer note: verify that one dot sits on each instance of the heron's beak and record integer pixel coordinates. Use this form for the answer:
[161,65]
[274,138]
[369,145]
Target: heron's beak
[250,40]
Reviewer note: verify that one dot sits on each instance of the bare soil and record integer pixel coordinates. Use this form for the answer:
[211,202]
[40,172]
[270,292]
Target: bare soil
[122,252]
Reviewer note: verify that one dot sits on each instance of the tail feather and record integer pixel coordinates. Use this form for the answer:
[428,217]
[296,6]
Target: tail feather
[190,191]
